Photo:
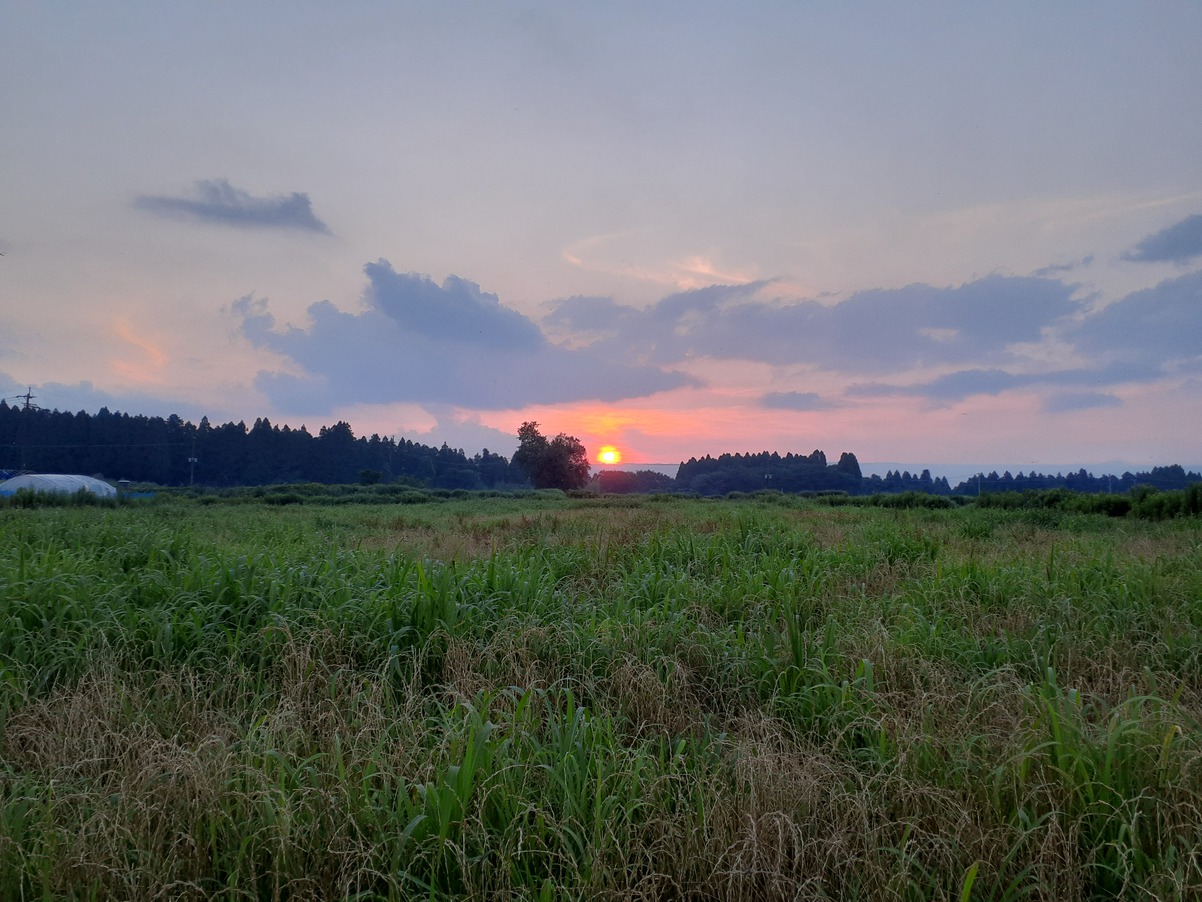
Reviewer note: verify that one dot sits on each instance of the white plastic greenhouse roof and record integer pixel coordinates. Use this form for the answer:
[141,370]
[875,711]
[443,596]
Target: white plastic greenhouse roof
[57,483]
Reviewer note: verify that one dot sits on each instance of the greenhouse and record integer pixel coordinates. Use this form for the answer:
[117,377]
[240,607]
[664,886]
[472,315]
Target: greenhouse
[57,484]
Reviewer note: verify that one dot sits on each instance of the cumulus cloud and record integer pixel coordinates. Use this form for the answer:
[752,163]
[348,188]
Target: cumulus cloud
[218,201]
[1148,329]
[1179,243]
[457,310]
[977,335]
[878,331]
[454,344]
[1143,337]
[418,341]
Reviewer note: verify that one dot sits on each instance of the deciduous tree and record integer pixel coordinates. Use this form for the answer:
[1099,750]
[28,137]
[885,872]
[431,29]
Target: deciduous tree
[558,463]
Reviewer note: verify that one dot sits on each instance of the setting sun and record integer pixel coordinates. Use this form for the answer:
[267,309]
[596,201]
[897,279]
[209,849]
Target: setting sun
[609,455]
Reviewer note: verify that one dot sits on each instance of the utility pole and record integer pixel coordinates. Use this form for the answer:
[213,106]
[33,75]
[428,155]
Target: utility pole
[27,409]
[192,465]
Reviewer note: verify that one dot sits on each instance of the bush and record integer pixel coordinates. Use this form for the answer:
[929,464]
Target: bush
[907,500]
[1150,504]
[1110,505]
[283,498]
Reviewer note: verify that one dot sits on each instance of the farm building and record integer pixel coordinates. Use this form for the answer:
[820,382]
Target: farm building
[57,484]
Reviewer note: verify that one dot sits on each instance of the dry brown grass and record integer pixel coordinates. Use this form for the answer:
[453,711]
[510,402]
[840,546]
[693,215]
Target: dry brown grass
[292,767]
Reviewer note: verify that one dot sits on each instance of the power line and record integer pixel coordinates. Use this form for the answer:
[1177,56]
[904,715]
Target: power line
[27,398]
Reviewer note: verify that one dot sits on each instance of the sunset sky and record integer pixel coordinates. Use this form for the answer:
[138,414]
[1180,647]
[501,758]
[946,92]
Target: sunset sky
[933,233]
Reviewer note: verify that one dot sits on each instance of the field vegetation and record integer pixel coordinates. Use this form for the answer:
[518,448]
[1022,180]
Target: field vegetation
[546,697]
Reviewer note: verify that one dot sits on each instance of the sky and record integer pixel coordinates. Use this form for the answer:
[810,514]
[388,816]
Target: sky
[945,234]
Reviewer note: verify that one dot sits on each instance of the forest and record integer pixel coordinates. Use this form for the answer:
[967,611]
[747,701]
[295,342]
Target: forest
[175,452]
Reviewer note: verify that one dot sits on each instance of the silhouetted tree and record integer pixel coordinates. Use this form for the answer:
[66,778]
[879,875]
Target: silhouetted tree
[493,468]
[849,465]
[558,463]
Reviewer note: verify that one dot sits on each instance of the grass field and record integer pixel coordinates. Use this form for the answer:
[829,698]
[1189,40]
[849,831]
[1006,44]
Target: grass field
[549,698]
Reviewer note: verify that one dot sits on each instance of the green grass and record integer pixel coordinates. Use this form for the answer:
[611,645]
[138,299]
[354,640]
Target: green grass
[549,698]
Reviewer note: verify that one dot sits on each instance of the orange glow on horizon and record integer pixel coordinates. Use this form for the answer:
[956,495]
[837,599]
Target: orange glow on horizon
[609,455]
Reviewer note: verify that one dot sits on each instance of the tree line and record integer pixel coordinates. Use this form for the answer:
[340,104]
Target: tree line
[1169,478]
[769,470]
[176,452]
[812,473]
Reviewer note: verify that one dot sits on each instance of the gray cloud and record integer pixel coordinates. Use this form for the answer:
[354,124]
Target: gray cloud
[597,316]
[950,387]
[421,342]
[455,344]
[1179,243]
[1056,269]
[957,386]
[9,387]
[970,329]
[1148,328]
[879,331]
[795,400]
[455,311]
[465,432]
[218,201]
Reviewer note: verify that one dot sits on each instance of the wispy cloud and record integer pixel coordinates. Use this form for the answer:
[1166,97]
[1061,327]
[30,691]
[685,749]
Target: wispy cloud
[418,341]
[1057,269]
[1179,243]
[218,201]
[617,253]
